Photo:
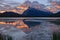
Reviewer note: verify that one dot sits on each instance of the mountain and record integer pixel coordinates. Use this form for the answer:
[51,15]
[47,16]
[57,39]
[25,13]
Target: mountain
[9,14]
[31,12]
[56,14]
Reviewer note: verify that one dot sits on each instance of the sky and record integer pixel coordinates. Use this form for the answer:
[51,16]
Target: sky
[40,1]
[46,2]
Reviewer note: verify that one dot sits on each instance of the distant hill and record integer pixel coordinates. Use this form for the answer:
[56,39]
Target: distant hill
[56,14]
[9,14]
[31,12]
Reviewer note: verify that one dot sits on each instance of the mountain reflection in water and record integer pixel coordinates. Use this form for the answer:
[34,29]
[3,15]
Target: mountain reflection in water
[25,24]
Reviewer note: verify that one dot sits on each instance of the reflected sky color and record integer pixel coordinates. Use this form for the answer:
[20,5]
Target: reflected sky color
[27,24]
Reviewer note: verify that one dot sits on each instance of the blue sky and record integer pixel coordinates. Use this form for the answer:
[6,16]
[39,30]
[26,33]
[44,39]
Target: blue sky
[40,1]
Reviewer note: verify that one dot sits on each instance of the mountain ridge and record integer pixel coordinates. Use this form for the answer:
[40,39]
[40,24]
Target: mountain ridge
[31,12]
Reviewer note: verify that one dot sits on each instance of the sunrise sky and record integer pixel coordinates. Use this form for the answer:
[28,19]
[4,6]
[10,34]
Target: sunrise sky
[40,1]
[46,2]
[52,6]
